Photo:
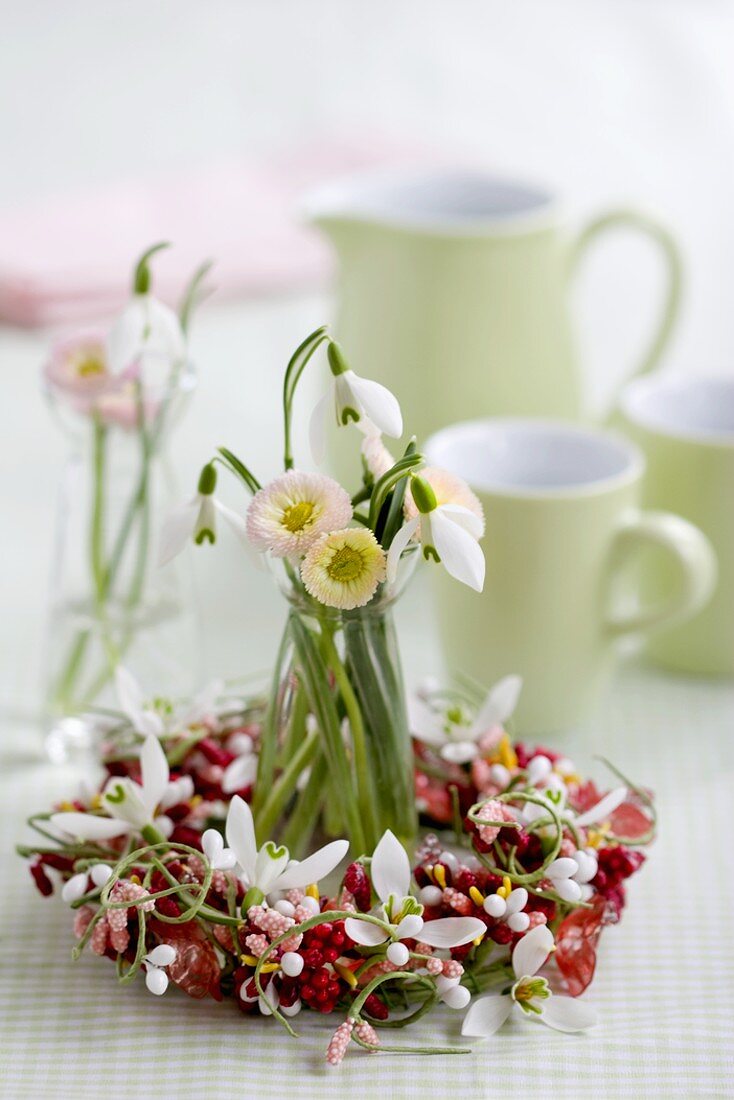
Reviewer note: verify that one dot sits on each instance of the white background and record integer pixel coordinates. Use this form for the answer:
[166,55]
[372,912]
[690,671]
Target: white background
[608,101]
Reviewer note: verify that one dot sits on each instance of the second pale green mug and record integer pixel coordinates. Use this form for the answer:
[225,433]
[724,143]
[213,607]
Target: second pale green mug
[685,426]
[563,532]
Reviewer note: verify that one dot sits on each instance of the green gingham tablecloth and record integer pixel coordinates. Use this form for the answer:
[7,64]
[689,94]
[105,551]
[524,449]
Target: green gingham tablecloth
[664,987]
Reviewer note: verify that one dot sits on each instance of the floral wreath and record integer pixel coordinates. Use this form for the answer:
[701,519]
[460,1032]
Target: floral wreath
[164,875]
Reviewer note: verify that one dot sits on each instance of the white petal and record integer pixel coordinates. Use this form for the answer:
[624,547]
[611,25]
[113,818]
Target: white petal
[499,704]
[130,698]
[517,900]
[99,873]
[162,955]
[238,525]
[606,806]
[203,705]
[240,832]
[410,927]
[465,518]
[176,530]
[452,931]
[390,868]
[239,774]
[89,826]
[212,843]
[457,998]
[123,799]
[362,932]
[155,772]
[314,867]
[156,981]
[486,1016]
[562,868]
[379,404]
[271,862]
[74,888]
[398,544]
[459,752]
[318,426]
[567,889]
[532,951]
[460,553]
[588,867]
[567,1014]
[124,338]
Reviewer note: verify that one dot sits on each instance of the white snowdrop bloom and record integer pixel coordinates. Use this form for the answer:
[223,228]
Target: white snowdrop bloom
[154,964]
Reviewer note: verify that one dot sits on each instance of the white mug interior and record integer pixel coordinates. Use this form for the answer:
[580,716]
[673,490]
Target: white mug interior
[534,457]
[686,408]
[447,200]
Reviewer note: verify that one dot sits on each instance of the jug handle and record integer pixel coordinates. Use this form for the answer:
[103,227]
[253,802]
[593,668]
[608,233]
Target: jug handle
[633,219]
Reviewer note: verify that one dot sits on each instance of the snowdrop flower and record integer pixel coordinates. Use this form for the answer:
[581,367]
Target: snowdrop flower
[350,397]
[270,869]
[448,533]
[146,332]
[448,489]
[570,875]
[455,736]
[220,858]
[529,993]
[288,515]
[344,568]
[390,874]
[452,992]
[130,807]
[197,520]
[154,963]
[154,719]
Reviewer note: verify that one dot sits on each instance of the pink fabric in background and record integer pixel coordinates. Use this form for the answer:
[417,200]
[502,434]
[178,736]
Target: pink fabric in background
[68,258]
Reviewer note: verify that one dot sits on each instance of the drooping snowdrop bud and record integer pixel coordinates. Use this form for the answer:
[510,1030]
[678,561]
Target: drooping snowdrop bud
[398,954]
[99,873]
[457,998]
[495,906]
[312,904]
[156,980]
[538,770]
[430,895]
[291,964]
[500,775]
[291,1010]
[74,888]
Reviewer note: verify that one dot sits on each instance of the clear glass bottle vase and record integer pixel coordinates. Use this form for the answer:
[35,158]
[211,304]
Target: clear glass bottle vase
[336,754]
[110,603]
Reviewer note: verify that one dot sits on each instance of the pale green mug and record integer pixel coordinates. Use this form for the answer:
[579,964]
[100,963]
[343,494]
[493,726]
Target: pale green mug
[685,426]
[453,290]
[563,527]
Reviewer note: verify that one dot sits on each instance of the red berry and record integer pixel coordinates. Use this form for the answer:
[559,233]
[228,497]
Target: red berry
[323,931]
[358,885]
[337,937]
[330,954]
[500,933]
[313,958]
[308,992]
[375,1008]
[465,880]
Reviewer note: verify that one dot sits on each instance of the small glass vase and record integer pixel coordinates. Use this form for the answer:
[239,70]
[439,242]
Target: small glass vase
[110,603]
[336,754]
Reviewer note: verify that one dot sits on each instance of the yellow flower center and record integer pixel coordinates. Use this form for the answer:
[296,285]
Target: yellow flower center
[296,516]
[346,565]
[89,366]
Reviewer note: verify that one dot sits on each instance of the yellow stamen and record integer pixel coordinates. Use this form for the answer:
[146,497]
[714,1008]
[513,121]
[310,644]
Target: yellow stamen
[478,940]
[429,872]
[439,873]
[296,516]
[96,803]
[135,879]
[347,564]
[505,889]
[266,968]
[476,895]
[67,806]
[312,891]
[596,837]
[345,973]
[195,800]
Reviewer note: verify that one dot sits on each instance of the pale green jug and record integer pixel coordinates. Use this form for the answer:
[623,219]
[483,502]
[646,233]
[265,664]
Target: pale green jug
[453,288]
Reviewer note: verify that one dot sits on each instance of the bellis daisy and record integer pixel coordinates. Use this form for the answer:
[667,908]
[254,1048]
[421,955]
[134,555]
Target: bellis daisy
[343,569]
[288,515]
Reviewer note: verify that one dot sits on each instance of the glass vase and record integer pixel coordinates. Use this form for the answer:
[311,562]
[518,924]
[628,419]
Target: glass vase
[110,603]
[336,754]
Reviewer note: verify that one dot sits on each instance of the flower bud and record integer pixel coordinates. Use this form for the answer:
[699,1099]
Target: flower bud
[423,495]
[337,362]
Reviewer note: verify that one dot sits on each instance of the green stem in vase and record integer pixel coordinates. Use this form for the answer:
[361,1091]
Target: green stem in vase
[286,783]
[304,815]
[365,793]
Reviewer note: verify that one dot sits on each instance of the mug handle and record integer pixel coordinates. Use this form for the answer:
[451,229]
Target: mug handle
[633,219]
[693,557]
